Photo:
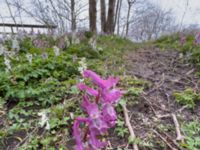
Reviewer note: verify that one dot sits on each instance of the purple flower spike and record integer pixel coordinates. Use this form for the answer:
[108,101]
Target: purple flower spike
[101,114]
[197,38]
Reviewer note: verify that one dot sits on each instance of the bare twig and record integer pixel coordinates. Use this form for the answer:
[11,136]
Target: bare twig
[128,124]
[174,141]
[162,138]
[177,126]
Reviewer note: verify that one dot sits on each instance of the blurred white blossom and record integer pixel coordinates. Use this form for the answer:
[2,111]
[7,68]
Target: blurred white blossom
[56,50]
[44,120]
[7,63]
[82,65]
[29,57]
[2,49]
[93,43]
[15,45]
[67,42]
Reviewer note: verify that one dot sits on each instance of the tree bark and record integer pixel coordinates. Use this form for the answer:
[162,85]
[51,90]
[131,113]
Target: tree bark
[130,4]
[110,19]
[116,13]
[103,16]
[92,15]
[118,17]
[127,21]
[73,16]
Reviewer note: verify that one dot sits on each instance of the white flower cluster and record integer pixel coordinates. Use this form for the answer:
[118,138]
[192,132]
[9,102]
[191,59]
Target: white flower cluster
[7,63]
[67,41]
[44,120]
[83,65]
[2,49]
[56,50]
[93,43]
[29,57]
[15,45]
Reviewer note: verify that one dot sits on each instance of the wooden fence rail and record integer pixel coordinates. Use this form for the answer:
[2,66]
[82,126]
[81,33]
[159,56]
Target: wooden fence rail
[32,26]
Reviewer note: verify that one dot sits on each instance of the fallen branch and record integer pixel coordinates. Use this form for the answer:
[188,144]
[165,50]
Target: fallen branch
[128,124]
[174,141]
[162,138]
[179,136]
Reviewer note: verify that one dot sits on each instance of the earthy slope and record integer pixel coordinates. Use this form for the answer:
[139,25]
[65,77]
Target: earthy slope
[167,72]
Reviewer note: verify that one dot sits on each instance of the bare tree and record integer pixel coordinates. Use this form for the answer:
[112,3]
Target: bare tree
[150,22]
[64,13]
[92,15]
[130,4]
[184,13]
[103,15]
[110,18]
[11,13]
[118,16]
[73,16]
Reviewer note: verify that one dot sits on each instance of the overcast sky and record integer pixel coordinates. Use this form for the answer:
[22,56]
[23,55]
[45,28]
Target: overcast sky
[192,15]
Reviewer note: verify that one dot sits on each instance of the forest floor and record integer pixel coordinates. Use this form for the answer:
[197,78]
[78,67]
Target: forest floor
[157,118]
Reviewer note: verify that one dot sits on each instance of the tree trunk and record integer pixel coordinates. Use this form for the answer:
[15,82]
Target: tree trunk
[118,17]
[130,4]
[92,15]
[128,16]
[110,19]
[116,13]
[73,17]
[103,16]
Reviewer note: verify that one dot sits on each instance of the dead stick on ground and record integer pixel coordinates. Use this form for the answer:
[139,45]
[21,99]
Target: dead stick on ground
[179,137]
[162,138]
[128,124]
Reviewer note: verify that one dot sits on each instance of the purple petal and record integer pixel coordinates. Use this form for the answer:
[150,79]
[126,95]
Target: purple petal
[109,114]
[112,96]
[88,89]
[95,142]
[104,84]
[91,108]
[99,125]
[77,132]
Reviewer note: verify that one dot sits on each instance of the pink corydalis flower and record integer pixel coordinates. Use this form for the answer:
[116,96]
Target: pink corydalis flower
[101,114]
